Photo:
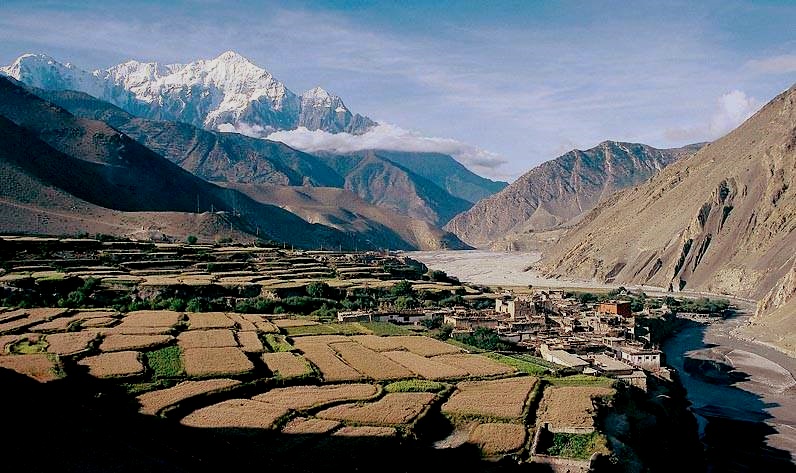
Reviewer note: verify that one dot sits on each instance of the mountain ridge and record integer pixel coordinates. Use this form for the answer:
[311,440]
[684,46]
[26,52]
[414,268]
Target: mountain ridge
[227,92]
[722,220]
[560,190]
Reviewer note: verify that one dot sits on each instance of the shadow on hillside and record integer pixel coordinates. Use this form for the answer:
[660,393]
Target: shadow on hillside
[87,425]
[735,433]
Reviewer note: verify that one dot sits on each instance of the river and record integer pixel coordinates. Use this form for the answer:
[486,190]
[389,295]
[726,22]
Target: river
[744,397]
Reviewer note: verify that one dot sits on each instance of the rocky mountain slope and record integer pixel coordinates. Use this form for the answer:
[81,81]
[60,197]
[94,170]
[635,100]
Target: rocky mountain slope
[386,184]
[228,92]
[60,172]
[214,156]
[722,220]
[560,190]
[447,173]
[343,210]
[223,156]
[234,158]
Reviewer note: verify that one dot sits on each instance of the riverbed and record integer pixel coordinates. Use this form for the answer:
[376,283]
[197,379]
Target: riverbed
[494,268]
[747,415]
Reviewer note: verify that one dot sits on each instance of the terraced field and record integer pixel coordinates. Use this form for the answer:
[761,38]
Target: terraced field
[279,373]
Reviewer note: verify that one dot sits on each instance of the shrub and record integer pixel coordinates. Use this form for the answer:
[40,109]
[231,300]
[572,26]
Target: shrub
[579,446]
[444,332]
[402,288]
[191,239]
[80,297]
[406,302]
[176,304]
[485,339]
[433,323]
[196,305]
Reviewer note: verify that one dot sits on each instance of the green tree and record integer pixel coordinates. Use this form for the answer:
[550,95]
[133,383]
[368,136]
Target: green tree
[402,288]
[445,332]
[485,339]
[433,323]
[318,289]
[191,239]
[406,302]
[195,305]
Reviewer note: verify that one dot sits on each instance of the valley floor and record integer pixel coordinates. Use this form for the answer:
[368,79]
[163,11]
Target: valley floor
[500,268]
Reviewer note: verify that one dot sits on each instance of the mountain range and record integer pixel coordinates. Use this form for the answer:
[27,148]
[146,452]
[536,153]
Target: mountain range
[226,93]
[559,191]
[67,174]
[389,179]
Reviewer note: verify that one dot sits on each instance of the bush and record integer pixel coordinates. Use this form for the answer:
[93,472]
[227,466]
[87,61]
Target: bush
[579,446]
[321,290]
[191,239]
[434,322]
[402,288]
[444,332]
[485,339]
[80,297]
[176,304]
[406,302]
[196,305]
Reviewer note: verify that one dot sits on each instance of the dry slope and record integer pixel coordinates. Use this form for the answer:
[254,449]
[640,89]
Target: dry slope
[722,220]
[561,189]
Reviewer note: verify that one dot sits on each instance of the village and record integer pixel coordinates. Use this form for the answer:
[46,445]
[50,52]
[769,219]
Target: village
[596,338]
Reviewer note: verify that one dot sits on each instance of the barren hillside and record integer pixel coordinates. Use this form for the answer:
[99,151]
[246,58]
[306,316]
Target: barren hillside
[722,220]
[559,190]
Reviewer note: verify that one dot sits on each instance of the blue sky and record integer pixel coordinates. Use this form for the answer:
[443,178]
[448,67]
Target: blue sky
[522,81]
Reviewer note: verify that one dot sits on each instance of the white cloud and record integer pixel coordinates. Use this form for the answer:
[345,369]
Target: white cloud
[783,64]
[254,131]
[391,137]
[732,109]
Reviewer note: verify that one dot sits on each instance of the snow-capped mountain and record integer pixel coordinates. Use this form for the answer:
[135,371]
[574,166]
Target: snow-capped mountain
[227,93]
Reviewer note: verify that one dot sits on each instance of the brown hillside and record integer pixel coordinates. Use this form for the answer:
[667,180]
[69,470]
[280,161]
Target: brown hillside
[345,211]
[560,190]
[89,161]
[722,220]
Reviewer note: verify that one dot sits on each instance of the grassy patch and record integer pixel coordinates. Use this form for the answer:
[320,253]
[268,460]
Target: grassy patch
[582,380]
[329,329]
[579,446]
[464,346]
[277,343]
[166,362]
[536,360]
[525,366]
[414,386]
[135,389]
[385,328]
[25,347]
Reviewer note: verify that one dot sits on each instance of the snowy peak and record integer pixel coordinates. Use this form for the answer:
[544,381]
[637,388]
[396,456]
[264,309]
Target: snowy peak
[228,92]
[318,97]
[231,56]
[317,93]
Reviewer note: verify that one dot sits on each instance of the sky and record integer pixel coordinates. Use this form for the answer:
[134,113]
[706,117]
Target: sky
[503,85]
